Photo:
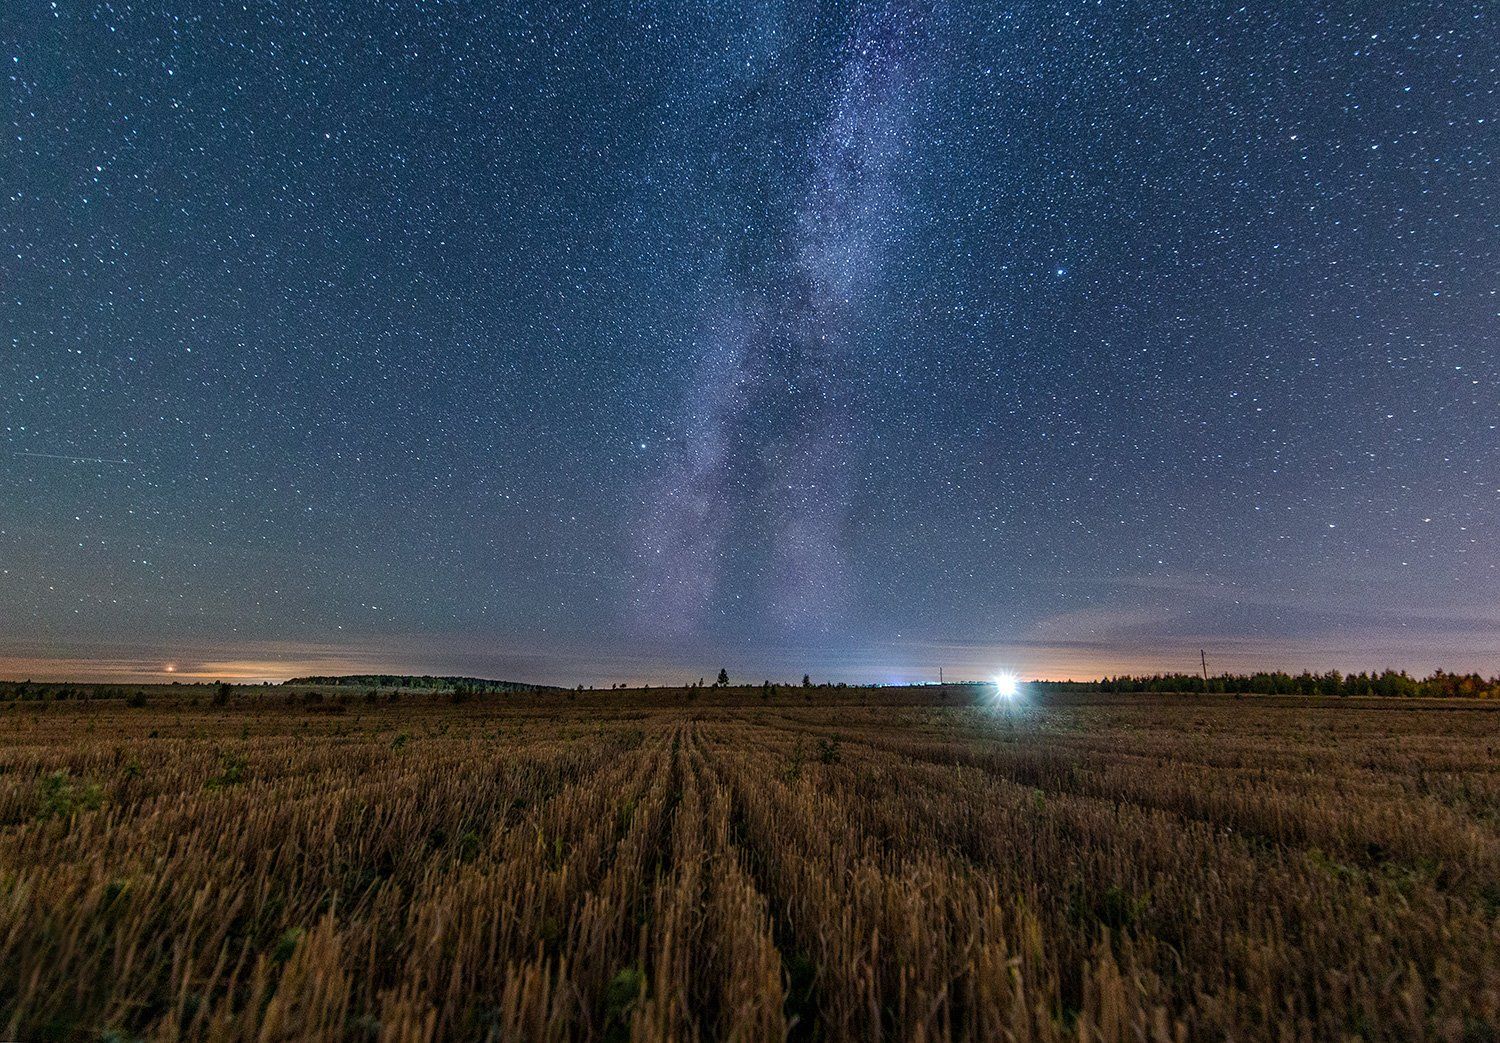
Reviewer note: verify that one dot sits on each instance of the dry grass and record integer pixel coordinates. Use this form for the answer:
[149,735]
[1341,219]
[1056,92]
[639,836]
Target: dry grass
[744,868]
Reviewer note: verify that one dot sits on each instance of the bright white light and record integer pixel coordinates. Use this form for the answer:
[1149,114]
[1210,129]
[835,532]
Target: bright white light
[1007,686]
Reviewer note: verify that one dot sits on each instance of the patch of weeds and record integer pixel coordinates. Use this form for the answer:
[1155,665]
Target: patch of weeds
[400,741]
[1114,907]
[1408,877]
[828,751]
[1120,910]
[468,846]
[233,770]
[286,945]
[620,997]
[795,761]
[1342,870]
[59,795]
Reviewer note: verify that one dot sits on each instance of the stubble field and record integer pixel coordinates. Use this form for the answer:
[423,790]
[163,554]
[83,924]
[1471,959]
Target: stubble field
[603,868]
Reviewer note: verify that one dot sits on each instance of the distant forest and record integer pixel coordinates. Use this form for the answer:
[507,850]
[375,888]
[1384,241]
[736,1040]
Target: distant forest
[1392,683]
[474,684]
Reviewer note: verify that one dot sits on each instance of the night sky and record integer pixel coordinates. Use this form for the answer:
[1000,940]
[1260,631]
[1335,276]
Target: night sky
[627,341]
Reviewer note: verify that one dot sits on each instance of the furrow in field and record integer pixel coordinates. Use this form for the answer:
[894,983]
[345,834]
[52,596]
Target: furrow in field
[922,948]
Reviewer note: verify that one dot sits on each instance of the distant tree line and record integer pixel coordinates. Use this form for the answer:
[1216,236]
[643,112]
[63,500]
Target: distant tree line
[1390,683]
[468,684]
[42,691]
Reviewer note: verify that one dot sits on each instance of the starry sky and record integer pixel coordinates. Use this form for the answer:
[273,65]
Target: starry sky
[608,341]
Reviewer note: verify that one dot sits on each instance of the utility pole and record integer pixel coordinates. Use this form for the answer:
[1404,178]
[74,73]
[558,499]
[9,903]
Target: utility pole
[1203,658]
[940,675]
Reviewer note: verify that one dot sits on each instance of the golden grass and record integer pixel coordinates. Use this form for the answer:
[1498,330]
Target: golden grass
[748,869]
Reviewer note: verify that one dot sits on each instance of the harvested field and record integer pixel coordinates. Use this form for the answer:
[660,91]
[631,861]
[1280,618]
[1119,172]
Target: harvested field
[650,867]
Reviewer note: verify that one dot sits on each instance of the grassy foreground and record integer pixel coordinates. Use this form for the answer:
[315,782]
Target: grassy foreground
[749,868]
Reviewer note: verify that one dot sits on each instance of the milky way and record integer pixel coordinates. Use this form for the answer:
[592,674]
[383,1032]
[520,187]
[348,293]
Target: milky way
[787,346]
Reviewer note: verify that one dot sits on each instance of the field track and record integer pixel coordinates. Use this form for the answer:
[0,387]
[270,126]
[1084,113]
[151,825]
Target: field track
[749,868]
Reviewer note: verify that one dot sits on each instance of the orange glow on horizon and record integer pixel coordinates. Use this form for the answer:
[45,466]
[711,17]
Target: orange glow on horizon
[257,662]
